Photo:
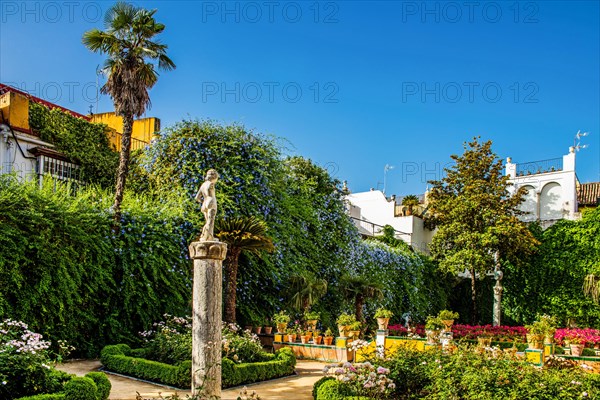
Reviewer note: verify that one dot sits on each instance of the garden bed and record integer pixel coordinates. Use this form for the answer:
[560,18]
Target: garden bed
[124,360]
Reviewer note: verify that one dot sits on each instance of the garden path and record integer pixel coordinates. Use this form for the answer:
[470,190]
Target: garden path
[296,387]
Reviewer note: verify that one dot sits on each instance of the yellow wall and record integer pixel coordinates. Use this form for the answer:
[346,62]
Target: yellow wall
[143,129]
[15,110]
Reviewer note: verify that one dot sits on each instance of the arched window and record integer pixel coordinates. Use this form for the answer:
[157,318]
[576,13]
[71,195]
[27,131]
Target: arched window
[551,202]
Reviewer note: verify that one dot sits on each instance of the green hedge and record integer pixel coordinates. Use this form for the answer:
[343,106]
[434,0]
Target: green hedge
[118,358]
[331,389]
[94,386]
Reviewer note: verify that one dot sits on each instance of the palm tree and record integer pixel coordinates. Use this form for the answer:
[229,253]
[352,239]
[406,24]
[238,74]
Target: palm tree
[240,234]
[132,59]
[305,290]
[410,201]
[359,289]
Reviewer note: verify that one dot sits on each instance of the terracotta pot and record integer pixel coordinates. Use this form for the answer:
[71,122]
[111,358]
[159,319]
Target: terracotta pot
[318,339]
[576,349]
[383,323]
[343,330]
[448,323]
[535,341]
[309,334]
[291,338]
[304,339]
[268,330]
[281,328]
[327,340]
[258,330]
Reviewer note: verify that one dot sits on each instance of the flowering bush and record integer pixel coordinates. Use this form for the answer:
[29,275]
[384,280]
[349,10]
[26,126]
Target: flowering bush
[585,336]
[241,346]
[24,362]
[363,379]
[170,342]
[472,332]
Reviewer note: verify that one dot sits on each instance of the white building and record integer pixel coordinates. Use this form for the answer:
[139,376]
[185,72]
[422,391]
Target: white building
[551,188]
[372,210]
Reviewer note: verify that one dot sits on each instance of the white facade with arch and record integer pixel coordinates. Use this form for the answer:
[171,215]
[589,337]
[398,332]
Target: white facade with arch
[551,186]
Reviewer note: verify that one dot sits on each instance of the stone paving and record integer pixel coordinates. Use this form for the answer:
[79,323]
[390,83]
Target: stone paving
[295,387]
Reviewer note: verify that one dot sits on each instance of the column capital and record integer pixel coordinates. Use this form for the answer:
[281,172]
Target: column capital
[214,250]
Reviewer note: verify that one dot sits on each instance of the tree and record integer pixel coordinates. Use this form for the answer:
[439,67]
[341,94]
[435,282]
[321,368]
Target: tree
[240,234]
[305,290]
[358,289]
[476,216]
[131,69]
[410,201]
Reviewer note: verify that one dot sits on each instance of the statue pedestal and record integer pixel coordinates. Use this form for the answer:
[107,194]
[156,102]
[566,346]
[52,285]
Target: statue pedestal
[206,317]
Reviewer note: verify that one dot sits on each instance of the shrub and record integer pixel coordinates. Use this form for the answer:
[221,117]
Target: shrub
[54,396]
[114,358]
[81,389]
[102,383]
[318,384]
[332,390]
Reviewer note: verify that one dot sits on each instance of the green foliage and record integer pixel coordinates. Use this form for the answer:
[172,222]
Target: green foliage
[70,277]
[447,315]
[383,313]
[550,282]
[318,384]
[83,142]
[52,396]
[81,389]
[115,358]
[465,374]
[304,290]
[102,384]
[332,389]
[476,216]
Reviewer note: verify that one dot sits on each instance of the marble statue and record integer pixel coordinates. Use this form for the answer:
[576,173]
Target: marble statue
[209,204]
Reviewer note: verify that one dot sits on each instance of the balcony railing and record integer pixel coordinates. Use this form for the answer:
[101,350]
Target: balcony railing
[540,167]
[367,228]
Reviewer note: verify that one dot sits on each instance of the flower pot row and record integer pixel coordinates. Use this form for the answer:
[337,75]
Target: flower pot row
[305,339]
[259,329]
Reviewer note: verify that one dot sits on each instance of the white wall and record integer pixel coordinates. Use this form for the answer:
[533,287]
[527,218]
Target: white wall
[551,195]
[374,208]
[11,159]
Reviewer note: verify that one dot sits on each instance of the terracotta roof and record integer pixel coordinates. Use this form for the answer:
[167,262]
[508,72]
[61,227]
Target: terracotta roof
[588,194]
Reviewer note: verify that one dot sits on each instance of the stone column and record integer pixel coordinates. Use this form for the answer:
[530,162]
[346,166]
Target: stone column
[207,303]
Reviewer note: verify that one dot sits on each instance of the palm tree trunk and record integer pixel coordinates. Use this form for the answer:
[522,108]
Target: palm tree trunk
[123,170]
[231,270]
[358,307]
[473,298]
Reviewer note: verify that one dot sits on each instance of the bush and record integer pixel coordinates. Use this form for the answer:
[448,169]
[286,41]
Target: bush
[332,390]
[102,383]
[81,389]
[318,384]
[54,396]
[115,358]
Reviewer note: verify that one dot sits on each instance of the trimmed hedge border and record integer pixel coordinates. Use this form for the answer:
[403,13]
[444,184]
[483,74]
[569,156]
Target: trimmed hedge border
[94,386]
[122,359]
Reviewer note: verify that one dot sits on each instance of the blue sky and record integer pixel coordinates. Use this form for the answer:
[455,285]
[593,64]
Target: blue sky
[352,85]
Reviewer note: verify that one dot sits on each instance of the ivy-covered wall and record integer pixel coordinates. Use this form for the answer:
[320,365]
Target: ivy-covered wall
[551,282]
[66,274]
[83,142]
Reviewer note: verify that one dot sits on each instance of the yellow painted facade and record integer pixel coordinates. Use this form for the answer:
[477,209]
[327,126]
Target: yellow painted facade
[15,110]
[143,129]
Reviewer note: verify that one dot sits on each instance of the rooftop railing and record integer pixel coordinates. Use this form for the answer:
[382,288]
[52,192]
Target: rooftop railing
[540,167]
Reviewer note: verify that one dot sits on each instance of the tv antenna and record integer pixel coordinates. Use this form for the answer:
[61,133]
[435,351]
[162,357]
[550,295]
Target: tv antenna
[385,170]
[577,141]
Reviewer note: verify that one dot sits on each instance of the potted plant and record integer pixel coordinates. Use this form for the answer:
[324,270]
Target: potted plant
[448,318]
[383,318]
[328,337]
[311,318]
[304,337]
[291,335]
[281,319]
[535,335]
[344,321]
[548,324]
[354,329]
[267,328]
[576,344]
[317,338]
[257,326]
[433,325]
